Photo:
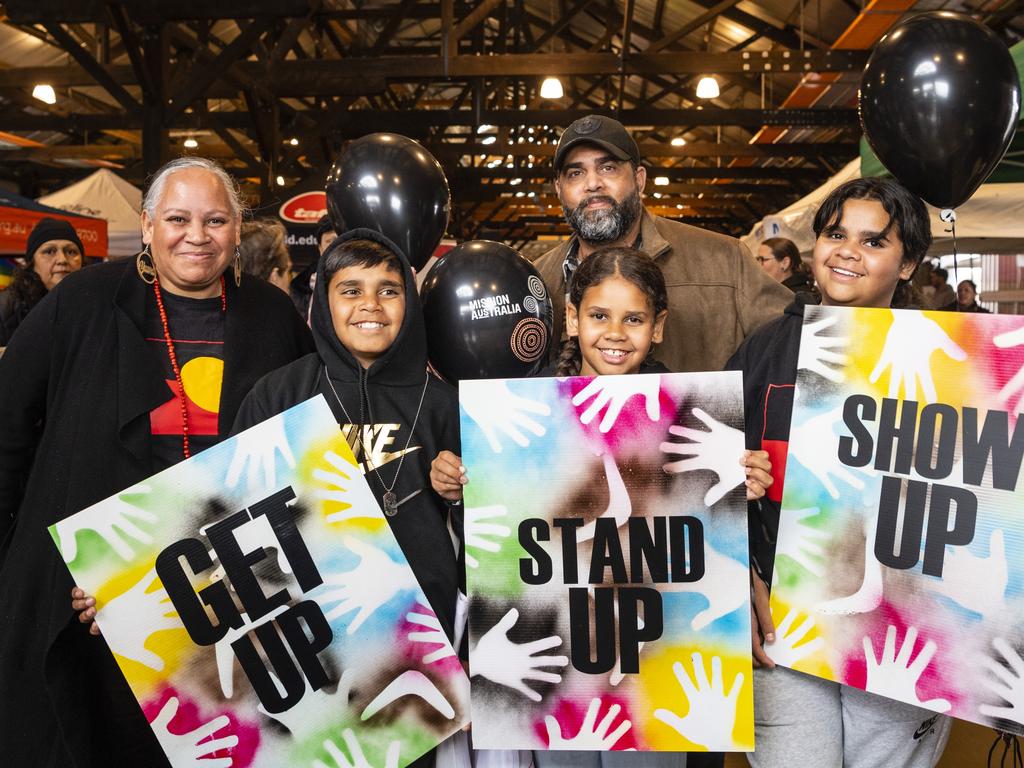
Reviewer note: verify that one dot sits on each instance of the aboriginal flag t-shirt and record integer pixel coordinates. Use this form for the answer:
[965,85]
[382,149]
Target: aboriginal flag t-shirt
[197,330]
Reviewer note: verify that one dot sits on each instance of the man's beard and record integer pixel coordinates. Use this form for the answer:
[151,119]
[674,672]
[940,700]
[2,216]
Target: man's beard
[604,225]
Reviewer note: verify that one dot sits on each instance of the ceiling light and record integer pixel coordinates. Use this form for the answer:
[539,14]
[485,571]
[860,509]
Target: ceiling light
[485,128]
[293,141]
[516,182]
[190,143]
[707,88]
[488,139]
[679,206]
[678,141]
[45,94]
[551,88]
[657,194]
[280,181]
[661,181]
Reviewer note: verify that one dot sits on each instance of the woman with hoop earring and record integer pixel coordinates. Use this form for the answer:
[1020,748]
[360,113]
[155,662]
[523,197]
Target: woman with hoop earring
[131,367]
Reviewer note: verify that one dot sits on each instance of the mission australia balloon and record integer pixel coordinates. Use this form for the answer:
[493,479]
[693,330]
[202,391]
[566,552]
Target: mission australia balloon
[393,185]
[487,313]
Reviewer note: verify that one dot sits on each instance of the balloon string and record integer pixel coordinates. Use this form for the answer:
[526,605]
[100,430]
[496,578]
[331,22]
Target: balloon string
[949,215]
[956,274]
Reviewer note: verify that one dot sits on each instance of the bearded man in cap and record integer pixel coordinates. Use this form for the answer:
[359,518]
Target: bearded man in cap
[717,293]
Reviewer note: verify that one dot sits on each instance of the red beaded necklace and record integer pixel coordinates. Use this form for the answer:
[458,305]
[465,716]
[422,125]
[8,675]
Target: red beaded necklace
[174,358]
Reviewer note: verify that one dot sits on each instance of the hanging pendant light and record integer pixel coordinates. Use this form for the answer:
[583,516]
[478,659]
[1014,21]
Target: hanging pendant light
[707,88]
[551,88]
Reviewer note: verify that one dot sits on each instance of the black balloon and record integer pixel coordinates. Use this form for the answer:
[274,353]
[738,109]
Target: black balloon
[939,101]
[390,183]
[487,313]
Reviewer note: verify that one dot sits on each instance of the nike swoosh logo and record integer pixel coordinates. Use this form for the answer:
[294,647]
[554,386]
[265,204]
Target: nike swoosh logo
[925,727]
[378,460]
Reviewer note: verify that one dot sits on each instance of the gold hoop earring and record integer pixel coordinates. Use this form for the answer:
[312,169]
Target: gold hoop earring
[238,267]
[145,267]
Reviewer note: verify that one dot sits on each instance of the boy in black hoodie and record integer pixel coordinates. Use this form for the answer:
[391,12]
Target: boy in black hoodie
[371,366]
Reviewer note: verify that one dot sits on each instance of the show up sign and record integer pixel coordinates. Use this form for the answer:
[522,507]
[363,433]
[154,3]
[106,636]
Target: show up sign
[261,609]
[606,552]
[900,560]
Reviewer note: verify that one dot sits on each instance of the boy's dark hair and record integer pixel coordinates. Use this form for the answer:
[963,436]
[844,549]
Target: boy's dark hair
[943,273]
[628,263]
[358,253]
[907,213]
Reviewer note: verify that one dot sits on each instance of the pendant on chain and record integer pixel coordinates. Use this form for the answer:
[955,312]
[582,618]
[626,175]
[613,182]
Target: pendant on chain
[390,504]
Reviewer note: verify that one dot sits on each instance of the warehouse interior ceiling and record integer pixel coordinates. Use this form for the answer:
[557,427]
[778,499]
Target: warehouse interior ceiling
[274,88]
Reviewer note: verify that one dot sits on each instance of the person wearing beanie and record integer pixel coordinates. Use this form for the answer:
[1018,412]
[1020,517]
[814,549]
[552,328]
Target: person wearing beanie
[53,252]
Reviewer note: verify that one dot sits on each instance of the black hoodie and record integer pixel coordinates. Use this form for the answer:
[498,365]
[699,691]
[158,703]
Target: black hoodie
[384,398]
[768,359]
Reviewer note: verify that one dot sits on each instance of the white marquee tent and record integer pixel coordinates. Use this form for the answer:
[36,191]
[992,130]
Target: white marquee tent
[108,196]
[992,221]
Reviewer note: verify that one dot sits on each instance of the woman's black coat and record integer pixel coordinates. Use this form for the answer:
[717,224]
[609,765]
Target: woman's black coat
[77,384]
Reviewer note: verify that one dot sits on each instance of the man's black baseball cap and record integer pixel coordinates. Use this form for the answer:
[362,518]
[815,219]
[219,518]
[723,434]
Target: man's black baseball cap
[605,132]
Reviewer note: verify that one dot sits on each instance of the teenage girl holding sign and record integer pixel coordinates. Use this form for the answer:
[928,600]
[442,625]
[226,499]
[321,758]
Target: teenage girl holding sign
[871,236]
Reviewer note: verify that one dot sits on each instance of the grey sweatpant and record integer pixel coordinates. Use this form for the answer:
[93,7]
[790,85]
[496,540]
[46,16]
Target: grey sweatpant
[804,720]
[609,759]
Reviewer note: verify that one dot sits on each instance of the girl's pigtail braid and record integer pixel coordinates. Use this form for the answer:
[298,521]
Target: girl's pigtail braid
[569,358]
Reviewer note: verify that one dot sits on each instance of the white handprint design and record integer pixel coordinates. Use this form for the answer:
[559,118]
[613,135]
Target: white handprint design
[477,533]
[315,711]
[817,351]
[614,392]
[894,676]
[137,607]
[499,411]
[592,735]
[256,449]
[112,520]
[786,649]
[345,487]
[717,450]
[365,588]
[432,635]
[976,583]
[501,661]
[909,344]
[192,749]
[800,541]
[1008,683]
[719,570]
[1014,388]
[712,712]
[358,759]
[815,444]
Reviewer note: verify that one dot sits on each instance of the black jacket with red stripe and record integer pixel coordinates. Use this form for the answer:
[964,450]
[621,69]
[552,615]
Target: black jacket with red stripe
[768,359]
